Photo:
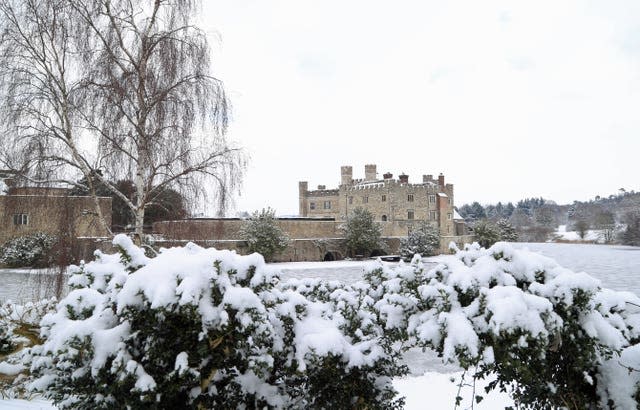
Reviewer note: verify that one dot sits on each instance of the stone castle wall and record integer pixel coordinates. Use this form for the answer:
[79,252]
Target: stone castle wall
[52,214]
[398,204]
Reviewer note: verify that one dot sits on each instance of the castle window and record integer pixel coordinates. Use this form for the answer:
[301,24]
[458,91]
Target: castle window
[350,200]
[449,216]
[365,199]
[410,198]
[384,198]
[432,199]
[21,219]
[384,218]
[312,205]
[327,204]
[432,215]
[410,214]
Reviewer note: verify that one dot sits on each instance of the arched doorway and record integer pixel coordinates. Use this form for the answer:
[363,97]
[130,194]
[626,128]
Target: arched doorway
[332,256]
[328,257]
[384,218]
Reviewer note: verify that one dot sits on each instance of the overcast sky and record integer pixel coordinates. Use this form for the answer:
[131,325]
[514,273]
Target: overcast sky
[507,99]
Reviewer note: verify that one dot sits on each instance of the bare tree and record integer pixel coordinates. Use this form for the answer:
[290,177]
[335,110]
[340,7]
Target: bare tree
[40,141]
[135,77]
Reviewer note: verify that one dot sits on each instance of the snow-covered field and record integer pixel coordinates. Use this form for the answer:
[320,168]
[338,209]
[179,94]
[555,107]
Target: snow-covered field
[429,385]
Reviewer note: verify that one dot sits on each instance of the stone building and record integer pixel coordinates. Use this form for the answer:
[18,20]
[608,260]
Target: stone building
[396,203]
[316,234]
[27,210]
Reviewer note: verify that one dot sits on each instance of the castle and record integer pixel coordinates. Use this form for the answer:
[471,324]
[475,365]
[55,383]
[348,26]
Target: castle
[397,204]
[316,233]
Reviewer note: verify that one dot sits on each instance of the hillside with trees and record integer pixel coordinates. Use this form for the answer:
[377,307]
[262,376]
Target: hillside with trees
[614,218]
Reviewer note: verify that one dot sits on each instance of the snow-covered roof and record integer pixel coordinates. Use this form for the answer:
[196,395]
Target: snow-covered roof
[442,194]
[456,215]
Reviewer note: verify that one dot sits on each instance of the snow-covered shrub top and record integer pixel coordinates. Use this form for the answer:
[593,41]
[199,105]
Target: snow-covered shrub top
[31,251]
[206,327]
[554,332]
[211,328]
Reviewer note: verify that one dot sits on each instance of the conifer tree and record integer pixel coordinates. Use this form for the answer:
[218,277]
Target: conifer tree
[263,234]
[362,233]
[424,241]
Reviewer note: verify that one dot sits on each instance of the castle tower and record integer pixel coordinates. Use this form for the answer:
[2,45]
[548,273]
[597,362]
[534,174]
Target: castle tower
[370,172]
[346,172]
[303,188]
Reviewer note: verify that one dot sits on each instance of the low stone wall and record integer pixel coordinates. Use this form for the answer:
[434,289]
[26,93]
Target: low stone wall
[311,239]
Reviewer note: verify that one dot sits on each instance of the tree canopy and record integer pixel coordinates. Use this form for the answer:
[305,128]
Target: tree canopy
[362,233]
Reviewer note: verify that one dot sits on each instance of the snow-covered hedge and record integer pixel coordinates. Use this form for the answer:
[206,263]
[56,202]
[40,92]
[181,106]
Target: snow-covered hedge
[554,338]
[18,330]
[201,327]
[32,250]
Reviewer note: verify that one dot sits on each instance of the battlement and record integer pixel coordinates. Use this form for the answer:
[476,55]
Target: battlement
[323,192]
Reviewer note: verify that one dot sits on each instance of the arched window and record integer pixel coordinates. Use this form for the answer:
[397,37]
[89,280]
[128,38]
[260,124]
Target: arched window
[384,218]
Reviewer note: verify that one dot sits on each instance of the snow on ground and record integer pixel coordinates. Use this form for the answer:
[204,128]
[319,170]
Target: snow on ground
[26,405]
[429,385]
[432,390]
[592,235]
[436,391]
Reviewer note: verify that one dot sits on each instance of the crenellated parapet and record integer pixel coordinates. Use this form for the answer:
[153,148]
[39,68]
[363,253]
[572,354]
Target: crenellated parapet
[398,203]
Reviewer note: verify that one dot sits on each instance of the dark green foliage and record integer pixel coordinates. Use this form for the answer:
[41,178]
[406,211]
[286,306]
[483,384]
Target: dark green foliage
[424,240]
[34,250]
[362,234]
[506,231]
[485,233]
[7,344]
[264,235]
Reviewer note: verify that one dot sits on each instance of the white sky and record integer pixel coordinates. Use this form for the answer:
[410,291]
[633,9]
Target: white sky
[509,99]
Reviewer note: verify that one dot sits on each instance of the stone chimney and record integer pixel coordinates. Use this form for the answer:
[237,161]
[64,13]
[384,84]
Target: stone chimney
[427,178]
[441,180]
[322,187]
[404,178]
[370,172]
[387,175]
[347,175]
[303,187]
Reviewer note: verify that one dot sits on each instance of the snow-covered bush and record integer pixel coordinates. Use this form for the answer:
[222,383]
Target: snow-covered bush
[18,330]
[263,234]
[362,234]
[553,337]
[506,231]
[30,250]
[198,327]
[485,233]
[424,240]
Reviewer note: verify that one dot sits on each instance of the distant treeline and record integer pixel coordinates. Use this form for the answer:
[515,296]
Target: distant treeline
[616,217]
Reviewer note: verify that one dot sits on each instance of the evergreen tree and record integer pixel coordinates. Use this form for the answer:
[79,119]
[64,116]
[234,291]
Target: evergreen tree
[506,231]
[508,210]
[424,241]
[263,234]
[362,234]
[478,211]
[486,234]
